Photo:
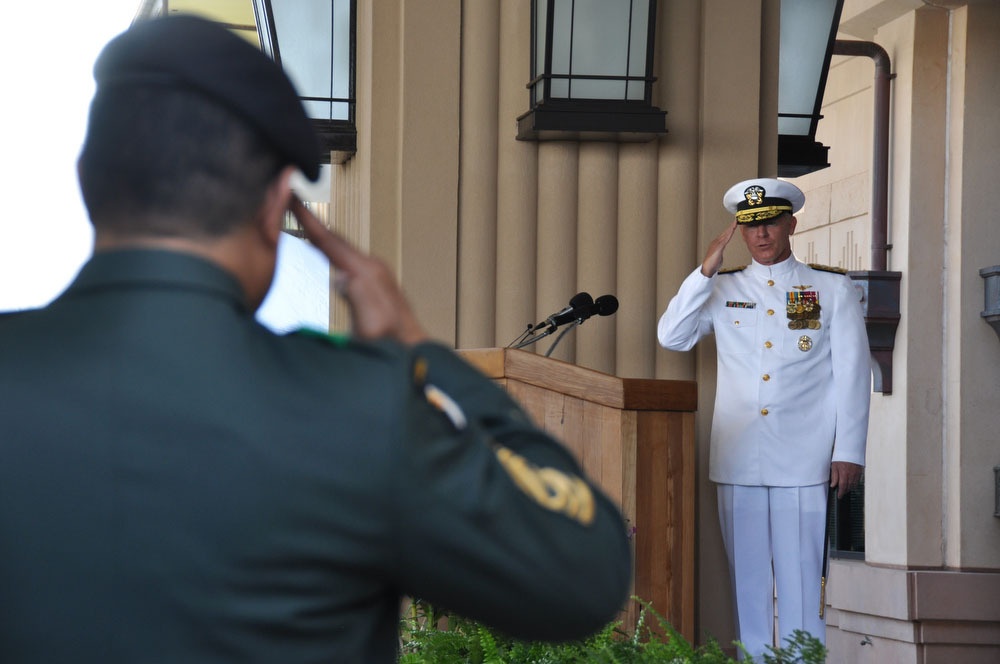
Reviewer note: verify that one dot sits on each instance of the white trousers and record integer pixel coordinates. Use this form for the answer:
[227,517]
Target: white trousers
[774,541]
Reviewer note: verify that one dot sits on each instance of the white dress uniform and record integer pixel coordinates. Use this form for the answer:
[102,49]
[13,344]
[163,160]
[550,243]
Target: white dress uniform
[793,393]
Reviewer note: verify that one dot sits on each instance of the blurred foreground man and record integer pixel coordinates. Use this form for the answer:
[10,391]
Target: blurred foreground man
[179,484]
[791,405]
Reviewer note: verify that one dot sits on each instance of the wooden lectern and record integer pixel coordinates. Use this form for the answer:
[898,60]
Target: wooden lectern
[635,438]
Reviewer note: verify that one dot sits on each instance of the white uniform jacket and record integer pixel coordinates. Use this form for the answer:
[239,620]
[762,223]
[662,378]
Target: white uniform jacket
[794,372]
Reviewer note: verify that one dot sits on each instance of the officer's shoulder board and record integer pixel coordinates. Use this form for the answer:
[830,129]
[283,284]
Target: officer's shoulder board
[827,268]
[732,270]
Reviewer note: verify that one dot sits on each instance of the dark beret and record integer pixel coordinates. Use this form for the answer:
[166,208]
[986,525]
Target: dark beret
[196,54]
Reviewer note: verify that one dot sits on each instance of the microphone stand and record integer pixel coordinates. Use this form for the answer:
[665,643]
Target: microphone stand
[561,335]
[521,336]
[521,341]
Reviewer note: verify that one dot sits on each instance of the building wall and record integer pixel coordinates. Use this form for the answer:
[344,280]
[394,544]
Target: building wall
[929,589]
[973,242]
[489,234]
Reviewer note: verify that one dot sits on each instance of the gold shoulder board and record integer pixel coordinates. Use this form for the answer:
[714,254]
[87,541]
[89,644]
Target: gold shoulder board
[730,270]
[827,268]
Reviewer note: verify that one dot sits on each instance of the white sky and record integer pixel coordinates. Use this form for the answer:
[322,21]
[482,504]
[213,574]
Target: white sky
[46,62]
[46,72]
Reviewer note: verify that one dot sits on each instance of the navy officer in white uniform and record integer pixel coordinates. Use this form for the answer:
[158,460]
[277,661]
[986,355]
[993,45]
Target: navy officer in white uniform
[791,407]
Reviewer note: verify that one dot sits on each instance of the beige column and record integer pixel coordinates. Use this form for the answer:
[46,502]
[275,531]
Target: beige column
[429,161]
[972,349]
[517,179]
[381,110]
[637,187]
[597,249]
[678,187]
[556,277]
[477,199]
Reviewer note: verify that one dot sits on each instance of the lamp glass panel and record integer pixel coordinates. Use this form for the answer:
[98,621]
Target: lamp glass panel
[591,38]
[639,31]
[314,38]
[562,46]
[805,35]
[541,13]
[341,80]
[639,35]
[600,48]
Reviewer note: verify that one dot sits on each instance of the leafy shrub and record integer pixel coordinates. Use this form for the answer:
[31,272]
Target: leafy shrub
[428,636]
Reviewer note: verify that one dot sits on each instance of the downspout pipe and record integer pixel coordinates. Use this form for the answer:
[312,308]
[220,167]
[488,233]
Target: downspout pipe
[880,159]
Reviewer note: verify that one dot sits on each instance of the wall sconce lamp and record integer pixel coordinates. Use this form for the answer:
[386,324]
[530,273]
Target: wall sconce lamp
[592,72]
[808,31]
[880,302]
[991,295]
[314,42]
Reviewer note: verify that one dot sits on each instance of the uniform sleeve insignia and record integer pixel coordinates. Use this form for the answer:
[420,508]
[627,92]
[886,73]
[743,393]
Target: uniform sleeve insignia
[437,397]
[440,400]
[827,268]
[731,270]
[552,489]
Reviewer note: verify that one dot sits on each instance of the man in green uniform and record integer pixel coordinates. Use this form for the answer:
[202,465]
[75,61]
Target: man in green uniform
[179,484]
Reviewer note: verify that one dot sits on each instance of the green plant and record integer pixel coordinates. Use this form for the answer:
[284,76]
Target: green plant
[428,636]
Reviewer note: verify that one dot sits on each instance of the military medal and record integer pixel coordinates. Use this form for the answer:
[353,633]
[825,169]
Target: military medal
[803,310]
[805,343]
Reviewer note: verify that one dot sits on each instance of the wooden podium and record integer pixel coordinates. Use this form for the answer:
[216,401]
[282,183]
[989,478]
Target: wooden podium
[635,438]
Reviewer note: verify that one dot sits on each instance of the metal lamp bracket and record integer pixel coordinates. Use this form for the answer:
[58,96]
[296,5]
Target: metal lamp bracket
[991,296]
[880,301]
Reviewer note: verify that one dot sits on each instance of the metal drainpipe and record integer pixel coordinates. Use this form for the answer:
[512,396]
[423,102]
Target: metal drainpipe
[880,163]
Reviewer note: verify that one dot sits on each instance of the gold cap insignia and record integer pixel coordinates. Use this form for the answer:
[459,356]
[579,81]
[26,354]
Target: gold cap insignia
[754,194]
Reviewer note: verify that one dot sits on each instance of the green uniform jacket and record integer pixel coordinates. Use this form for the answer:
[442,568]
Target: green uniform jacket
[179,484]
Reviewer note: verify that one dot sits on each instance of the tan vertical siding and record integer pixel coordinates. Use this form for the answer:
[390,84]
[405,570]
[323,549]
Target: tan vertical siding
[477,231]
[555,278]
[597,249]
[517,180]
[637,196]
[428,224]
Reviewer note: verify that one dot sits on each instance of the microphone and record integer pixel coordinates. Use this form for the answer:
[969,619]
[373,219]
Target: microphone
[605,305]
[570,313]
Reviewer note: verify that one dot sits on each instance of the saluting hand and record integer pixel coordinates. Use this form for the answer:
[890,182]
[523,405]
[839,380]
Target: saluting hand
[713,258]
[378,307]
